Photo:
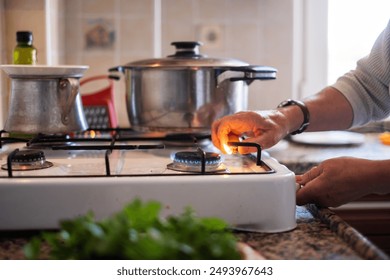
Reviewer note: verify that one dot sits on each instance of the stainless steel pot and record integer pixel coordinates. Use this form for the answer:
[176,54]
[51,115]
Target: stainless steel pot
[187,91]
[45,99]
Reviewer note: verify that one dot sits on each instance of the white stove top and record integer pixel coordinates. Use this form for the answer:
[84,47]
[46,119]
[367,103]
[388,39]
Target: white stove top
[248,196]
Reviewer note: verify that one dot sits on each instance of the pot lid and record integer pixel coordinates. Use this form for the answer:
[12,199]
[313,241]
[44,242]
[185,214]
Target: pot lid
[34,71]
[187,55]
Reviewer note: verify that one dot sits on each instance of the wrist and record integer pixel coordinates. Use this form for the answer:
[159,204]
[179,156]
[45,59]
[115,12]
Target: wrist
[297,114]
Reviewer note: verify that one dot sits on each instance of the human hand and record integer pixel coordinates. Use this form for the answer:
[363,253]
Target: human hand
[335,182]
[265,128]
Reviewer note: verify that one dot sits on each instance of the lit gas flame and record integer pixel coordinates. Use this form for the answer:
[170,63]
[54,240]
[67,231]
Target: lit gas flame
[227,149]
[231,149]
[91,134]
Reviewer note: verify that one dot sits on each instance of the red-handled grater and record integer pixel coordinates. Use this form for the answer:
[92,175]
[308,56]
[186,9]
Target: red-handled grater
[98,105]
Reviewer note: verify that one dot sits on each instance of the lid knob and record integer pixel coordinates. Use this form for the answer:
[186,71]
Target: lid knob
[187,49]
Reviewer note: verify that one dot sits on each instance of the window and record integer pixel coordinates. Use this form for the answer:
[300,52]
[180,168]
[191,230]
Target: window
[353,27]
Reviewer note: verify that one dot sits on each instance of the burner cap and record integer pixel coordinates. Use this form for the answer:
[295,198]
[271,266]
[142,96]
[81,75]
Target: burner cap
[28,156]
[28,160]
[191,161]
[195,158]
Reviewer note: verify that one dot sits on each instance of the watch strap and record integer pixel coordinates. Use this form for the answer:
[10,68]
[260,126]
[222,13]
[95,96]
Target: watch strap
[305,111]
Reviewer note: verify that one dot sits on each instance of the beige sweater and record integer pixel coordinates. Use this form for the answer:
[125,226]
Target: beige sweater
[367,87]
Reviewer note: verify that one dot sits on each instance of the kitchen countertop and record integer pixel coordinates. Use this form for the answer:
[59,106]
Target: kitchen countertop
[320,234]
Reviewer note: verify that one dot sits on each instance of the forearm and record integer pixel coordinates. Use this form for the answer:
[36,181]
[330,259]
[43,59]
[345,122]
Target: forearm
[329,110]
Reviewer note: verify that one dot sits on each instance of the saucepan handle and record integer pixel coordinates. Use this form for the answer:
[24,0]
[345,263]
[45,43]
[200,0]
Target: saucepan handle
[116,69]
[69,88]
[248,73]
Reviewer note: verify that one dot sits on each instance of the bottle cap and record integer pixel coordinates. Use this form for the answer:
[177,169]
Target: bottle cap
[24,36]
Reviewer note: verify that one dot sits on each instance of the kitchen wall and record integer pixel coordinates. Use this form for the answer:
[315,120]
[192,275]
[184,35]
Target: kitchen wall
[106,33]
[25,15]
[256,31]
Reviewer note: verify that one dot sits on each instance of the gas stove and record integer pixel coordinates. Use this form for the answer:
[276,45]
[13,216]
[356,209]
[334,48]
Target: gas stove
[46,179]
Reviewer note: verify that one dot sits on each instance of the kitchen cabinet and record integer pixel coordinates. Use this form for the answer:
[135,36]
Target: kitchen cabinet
[373,222]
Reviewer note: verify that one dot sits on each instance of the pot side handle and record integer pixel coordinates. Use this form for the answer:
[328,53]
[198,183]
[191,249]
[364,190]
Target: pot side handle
[248,73]
[116,69]
[69,89]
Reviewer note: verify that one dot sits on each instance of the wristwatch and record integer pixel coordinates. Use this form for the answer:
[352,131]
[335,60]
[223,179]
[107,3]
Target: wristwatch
[305,111]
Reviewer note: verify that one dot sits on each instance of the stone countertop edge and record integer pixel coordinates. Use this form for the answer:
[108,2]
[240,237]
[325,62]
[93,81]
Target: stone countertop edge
[360,244]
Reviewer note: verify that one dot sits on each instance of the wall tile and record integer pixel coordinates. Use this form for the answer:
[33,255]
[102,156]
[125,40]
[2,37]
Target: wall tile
[24,5]
[73,8]
[178,11]
[135,35]
[243,11]
[98,62]
[244,42]
[136,8]
[215,10]
[73,37]
[26,20]
[98,6]
[172,32]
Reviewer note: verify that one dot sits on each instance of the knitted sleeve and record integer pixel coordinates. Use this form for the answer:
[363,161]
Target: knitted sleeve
[367,87]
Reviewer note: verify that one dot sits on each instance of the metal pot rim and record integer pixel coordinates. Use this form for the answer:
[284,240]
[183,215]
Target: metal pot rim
[187,55]
[44,71]
[174,62]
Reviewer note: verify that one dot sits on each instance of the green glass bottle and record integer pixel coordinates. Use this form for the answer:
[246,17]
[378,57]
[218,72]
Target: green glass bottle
[24,52]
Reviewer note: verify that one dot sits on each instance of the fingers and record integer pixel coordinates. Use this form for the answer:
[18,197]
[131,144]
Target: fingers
[250,124]
[304,195]
[222,133]
[309,176]
[307,193]
[223,136]
[214,134]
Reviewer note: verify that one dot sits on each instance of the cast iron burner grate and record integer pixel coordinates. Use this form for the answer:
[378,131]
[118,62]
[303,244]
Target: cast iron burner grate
[106,135]
[208,161]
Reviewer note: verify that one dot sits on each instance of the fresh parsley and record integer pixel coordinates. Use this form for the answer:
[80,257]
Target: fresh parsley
[138,232]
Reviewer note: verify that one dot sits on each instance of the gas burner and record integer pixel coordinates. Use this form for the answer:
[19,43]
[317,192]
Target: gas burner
[191,161]
[23,160]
